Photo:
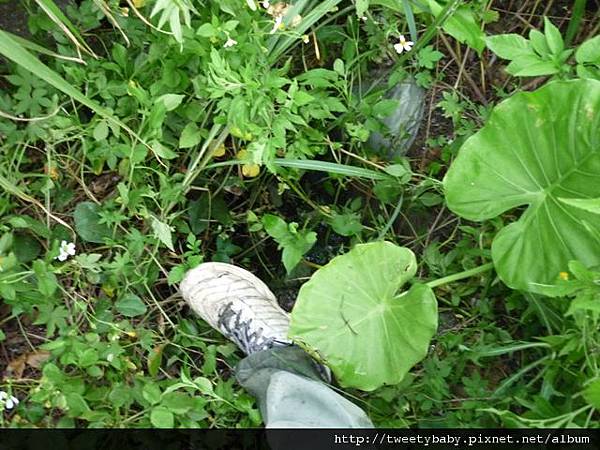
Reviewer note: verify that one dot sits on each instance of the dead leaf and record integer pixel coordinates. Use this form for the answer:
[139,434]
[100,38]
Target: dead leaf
[16,367]
[38,358]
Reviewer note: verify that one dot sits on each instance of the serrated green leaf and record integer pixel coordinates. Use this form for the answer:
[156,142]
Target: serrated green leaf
[171,101]
[130,305]
[178,402]
[592,394]
[47,282]
[346,224]
[162,232]
[101,131]
[161,417]
[204,385]
[151,393]
[190,136]
[293,242]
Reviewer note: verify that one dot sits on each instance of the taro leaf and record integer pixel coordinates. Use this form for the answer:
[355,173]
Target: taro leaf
[592,204]
[352,314]
[536,150]
[87,223]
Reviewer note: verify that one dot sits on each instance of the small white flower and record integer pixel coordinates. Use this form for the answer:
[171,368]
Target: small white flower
[8,402]
[305,38]
[230,42]
[364,18]
[403,45]
[277,25]
[66,249]
[266,4]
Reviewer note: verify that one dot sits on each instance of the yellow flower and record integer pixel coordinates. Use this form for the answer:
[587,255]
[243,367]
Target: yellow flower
[564,276]
[219,151]
[250,170]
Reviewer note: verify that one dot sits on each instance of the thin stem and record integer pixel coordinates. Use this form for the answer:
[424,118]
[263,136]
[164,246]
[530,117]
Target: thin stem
[461,275]
[392,219]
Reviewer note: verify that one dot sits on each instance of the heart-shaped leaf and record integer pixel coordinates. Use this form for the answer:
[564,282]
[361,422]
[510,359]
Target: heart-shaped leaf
[352,315]
[536,150]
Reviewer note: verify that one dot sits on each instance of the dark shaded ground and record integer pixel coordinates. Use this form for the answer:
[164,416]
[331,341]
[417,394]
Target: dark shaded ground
[13,16]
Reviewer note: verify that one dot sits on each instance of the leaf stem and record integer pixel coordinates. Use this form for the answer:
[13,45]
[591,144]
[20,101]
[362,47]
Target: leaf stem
[461,275]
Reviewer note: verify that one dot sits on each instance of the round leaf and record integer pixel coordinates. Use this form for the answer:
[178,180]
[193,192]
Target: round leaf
[353,316]
[536,150]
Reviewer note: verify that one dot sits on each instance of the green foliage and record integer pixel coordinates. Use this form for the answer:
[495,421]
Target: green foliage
[462,25]
[172,11]
[536,148]
[88,223]
[294,243]
[187,134]
[354,317]
[588,59]
[545,53]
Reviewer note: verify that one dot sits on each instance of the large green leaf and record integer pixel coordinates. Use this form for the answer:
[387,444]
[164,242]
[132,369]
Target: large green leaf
[536,150]
[352,314]
[88,223]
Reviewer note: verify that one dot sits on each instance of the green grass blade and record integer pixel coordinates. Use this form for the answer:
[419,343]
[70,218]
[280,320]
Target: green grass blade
[63,22]
[317,166]
[575,22]
[19,55]
[329,167]
[503,350]
[280,43]
[410,18]
[13,189]
[39,49]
